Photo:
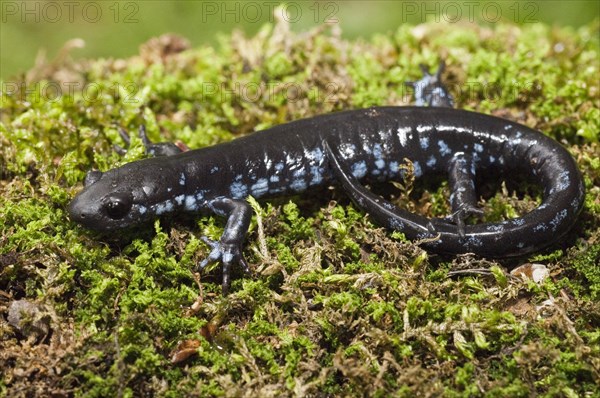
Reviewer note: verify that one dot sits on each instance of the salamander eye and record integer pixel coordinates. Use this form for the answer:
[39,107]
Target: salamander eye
[117,206]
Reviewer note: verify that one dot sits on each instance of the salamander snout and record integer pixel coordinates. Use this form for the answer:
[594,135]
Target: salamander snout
[79,212]
[103,213]
[85,213]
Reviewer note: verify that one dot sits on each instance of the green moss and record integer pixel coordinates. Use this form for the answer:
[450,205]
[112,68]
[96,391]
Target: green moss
[335,304]
[587,266]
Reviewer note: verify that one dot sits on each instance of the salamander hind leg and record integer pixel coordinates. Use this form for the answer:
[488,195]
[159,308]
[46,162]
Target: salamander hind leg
[463,196]
[430,90]
[228,249]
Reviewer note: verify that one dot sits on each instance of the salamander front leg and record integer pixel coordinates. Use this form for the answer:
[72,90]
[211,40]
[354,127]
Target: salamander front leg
[463,197]
[228,249]
[152,149]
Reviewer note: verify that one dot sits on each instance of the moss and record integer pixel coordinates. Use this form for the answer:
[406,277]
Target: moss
[335,306]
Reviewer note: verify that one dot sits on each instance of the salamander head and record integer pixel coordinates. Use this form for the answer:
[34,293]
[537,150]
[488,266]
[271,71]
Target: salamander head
[115,199]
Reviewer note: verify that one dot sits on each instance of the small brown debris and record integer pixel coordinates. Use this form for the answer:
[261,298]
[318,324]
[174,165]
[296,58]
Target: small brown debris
[536,272]
[184,350]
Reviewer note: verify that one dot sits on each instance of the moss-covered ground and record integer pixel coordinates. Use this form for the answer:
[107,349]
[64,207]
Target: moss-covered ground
[336,306]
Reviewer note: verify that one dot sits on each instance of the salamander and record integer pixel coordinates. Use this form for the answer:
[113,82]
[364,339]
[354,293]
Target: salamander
[350,149]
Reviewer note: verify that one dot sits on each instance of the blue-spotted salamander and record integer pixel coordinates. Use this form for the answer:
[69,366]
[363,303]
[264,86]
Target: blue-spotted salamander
[348,149]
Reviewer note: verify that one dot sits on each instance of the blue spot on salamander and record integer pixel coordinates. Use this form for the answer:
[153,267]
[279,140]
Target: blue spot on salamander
[299,173]
[431,161]
[517,221]
[167,207]
[377,151]
[444,149]
[238,190]
[474,242]
[260,187]
[562,183]
[316,155]
[396,224]
[555,222]
[191,204]
[298,185]
[317,175]
[359,169]
[495,228]
[418,172]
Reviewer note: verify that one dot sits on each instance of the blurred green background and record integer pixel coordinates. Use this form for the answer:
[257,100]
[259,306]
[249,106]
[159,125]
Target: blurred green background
[117,28]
